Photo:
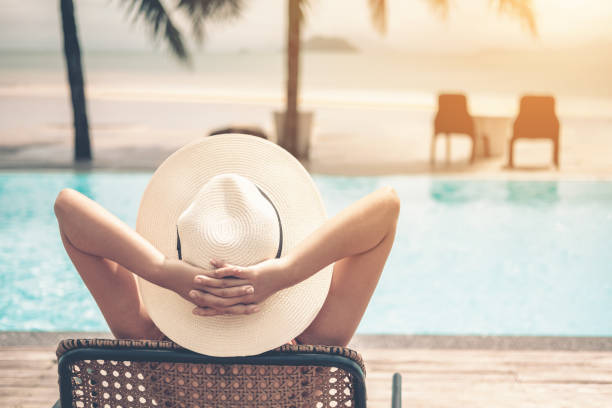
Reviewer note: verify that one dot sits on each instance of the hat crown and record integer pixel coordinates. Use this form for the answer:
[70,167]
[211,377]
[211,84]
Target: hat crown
[229,219]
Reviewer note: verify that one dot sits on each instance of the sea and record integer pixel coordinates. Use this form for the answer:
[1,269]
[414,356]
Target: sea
[35,104]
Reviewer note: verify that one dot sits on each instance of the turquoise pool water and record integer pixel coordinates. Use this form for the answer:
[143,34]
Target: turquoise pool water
[471,257]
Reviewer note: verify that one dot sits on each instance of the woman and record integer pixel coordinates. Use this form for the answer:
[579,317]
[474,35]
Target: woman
[108,255]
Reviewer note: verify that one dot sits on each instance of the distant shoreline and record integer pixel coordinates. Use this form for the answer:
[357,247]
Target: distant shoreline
[320,43]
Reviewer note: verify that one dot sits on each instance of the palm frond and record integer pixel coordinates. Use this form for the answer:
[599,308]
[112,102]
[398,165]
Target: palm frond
[161,25]
[440,7]
[523,9]
[304,7]
[378,12]
[198,11]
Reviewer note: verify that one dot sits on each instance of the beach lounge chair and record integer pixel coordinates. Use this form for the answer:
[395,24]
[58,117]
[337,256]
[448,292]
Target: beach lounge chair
[452,117]
[107,373]
[536,120]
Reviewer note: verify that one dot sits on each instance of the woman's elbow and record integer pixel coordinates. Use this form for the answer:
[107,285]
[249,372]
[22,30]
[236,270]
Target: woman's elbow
[63,202]
[391,202]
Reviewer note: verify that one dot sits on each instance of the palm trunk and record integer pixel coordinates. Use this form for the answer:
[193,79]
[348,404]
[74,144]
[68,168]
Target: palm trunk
[82,148]
[293,67]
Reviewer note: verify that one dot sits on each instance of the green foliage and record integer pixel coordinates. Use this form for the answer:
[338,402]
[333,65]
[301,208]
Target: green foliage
[197,12]
[522,9]
[378,12]
[162,26]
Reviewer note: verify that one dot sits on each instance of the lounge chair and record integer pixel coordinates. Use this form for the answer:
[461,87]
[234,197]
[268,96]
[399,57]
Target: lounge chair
[536,120]
[452,117]
[105,373]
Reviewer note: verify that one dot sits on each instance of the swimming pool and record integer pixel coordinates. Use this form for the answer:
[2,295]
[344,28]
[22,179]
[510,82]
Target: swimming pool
[471,257]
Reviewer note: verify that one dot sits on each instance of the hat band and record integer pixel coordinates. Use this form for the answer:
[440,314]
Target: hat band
[280,230]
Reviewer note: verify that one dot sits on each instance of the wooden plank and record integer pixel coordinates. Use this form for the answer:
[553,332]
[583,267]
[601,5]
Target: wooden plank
[27,364]
[28,374]
[27,355]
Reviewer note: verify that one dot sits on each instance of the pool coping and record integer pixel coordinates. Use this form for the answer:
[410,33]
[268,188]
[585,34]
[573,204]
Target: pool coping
[439,174]
[373,341]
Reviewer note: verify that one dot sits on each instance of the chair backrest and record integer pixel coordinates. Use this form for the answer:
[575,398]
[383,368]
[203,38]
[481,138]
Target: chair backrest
[145,373]
[453,115]
[537,106]
[537,118]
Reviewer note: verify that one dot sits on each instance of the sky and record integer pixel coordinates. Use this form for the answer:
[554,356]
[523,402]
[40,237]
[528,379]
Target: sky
[472,26]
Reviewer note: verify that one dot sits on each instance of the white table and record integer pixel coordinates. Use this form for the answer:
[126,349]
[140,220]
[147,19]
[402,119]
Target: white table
[492,135]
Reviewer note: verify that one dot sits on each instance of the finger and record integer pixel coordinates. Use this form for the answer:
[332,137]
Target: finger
[231,310]
[223,269]
[231,292]
[205,311]
[233,271]
[241,309]
[204,299]
[205,282]
[217,263]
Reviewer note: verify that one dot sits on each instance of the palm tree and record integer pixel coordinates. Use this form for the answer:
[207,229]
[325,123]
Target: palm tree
[161,27]
[378,11]
[72,52]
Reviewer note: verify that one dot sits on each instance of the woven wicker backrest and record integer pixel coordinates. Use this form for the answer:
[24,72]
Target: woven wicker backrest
[121,374]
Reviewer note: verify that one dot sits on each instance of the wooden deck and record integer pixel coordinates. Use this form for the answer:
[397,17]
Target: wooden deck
[431,378]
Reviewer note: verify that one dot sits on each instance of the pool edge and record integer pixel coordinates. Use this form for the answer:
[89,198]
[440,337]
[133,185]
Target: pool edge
[374,341]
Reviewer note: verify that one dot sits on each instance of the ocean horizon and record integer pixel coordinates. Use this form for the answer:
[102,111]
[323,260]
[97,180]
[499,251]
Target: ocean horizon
[380,104]
[492,81]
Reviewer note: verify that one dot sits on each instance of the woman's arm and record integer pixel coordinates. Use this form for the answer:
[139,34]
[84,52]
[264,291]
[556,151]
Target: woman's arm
[100,233]
[89,227]
[356,229]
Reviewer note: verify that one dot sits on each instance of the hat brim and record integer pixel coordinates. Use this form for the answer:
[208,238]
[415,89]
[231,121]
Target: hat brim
[285,314]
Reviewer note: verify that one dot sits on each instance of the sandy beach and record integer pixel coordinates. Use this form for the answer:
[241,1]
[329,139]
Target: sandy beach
[377,120]
[354,140]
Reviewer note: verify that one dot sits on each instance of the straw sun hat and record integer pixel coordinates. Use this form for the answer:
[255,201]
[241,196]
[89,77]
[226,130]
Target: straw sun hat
[241,199]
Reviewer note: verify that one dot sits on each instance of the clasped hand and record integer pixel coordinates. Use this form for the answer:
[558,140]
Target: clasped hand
[230,289]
